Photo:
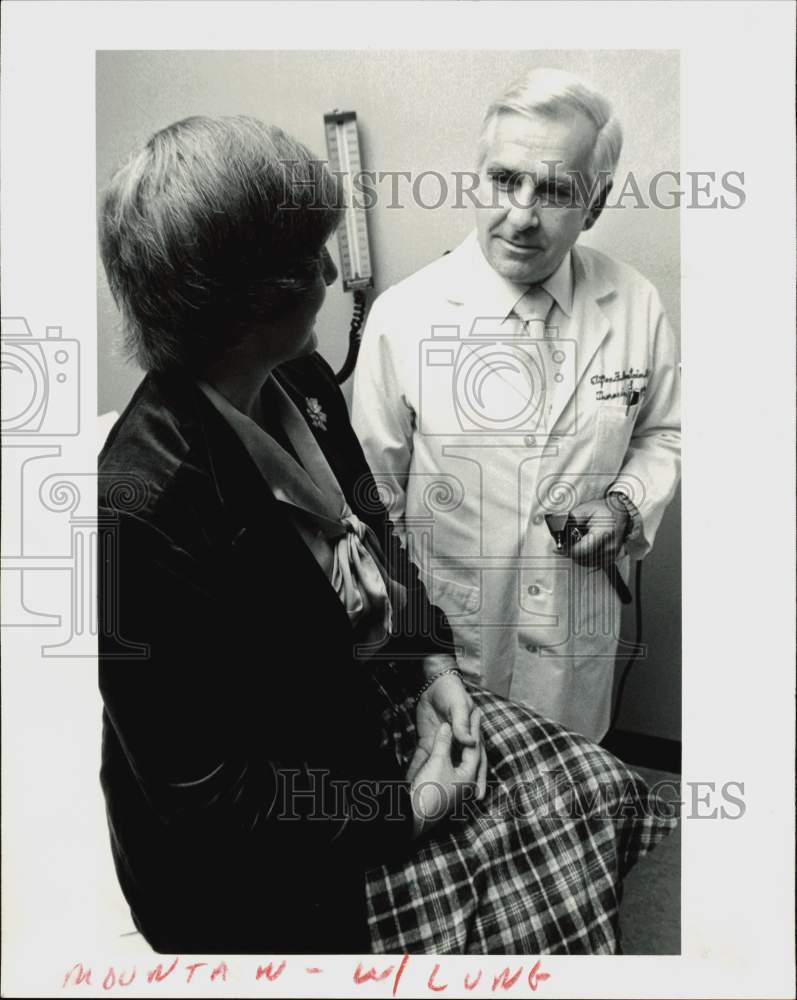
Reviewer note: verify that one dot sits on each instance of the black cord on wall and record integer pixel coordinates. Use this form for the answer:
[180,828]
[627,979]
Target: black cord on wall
[637,644]
[357,319]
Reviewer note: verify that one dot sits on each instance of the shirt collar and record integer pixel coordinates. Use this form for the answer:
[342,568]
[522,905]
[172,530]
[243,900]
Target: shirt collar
[503,295]
[560,285]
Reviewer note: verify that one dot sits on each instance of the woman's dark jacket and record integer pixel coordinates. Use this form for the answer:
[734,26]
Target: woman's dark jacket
[245,784]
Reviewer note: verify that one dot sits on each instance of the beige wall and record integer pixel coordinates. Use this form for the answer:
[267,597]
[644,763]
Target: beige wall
[421,111]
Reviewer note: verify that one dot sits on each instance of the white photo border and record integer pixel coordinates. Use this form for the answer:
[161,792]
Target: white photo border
[738,312]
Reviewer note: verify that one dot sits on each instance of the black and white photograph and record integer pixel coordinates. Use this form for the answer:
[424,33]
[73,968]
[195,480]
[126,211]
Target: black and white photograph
[381,611]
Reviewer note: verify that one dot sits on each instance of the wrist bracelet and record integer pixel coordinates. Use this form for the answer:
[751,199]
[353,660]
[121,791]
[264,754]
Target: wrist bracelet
[430,682]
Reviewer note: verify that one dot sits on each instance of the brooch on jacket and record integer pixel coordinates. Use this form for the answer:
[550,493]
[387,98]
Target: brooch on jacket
[315,413]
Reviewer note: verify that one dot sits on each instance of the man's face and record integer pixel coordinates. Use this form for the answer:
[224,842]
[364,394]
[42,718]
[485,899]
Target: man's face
[533,206]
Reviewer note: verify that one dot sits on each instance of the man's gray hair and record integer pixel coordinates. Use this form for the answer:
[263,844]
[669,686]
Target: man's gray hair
[215,225]
[553,92]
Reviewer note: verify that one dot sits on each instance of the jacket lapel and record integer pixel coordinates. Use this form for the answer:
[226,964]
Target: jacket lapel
[243,492]
[261,532]
[589,327]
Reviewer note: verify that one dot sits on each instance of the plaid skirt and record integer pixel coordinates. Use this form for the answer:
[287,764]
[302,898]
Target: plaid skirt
[536,867]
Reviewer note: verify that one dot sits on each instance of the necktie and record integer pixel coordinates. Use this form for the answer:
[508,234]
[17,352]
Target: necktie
[533,309]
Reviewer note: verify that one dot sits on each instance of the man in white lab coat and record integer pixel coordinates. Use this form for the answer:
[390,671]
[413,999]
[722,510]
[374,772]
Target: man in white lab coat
[521,376]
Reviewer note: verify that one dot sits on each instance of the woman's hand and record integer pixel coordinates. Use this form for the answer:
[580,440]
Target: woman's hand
[438,785]
[447,702]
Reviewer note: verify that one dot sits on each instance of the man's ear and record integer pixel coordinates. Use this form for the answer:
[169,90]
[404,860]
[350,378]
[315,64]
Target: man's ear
[597,207]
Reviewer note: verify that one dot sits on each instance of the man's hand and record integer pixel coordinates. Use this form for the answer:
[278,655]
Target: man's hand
[438,784]
[604,525]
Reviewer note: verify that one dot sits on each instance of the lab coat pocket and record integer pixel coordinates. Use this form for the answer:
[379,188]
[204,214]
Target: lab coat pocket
[613,428]
[595,613]
[462,604]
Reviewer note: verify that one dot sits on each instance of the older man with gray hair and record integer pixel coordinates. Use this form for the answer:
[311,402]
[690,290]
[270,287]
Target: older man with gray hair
[523,386]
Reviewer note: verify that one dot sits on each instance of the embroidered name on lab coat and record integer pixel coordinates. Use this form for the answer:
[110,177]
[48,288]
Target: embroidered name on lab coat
[622,376]
[628,376]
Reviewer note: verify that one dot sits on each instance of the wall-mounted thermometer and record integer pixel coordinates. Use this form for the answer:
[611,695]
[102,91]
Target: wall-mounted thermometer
[343,150]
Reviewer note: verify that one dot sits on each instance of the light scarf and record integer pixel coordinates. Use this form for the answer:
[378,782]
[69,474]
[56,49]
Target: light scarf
[346,549]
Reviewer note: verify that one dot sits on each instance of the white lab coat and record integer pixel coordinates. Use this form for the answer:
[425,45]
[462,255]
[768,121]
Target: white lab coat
[469,498]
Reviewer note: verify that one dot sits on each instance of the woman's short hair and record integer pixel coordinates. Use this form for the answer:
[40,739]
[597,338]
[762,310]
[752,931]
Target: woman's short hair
[216,224]
[555,92]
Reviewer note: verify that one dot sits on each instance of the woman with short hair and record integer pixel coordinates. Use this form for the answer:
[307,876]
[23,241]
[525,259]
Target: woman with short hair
[235,748]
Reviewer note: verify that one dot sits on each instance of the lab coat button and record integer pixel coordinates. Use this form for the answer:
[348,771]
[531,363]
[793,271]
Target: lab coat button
[538,519]
[534,589]
[531,649]
[530,440]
